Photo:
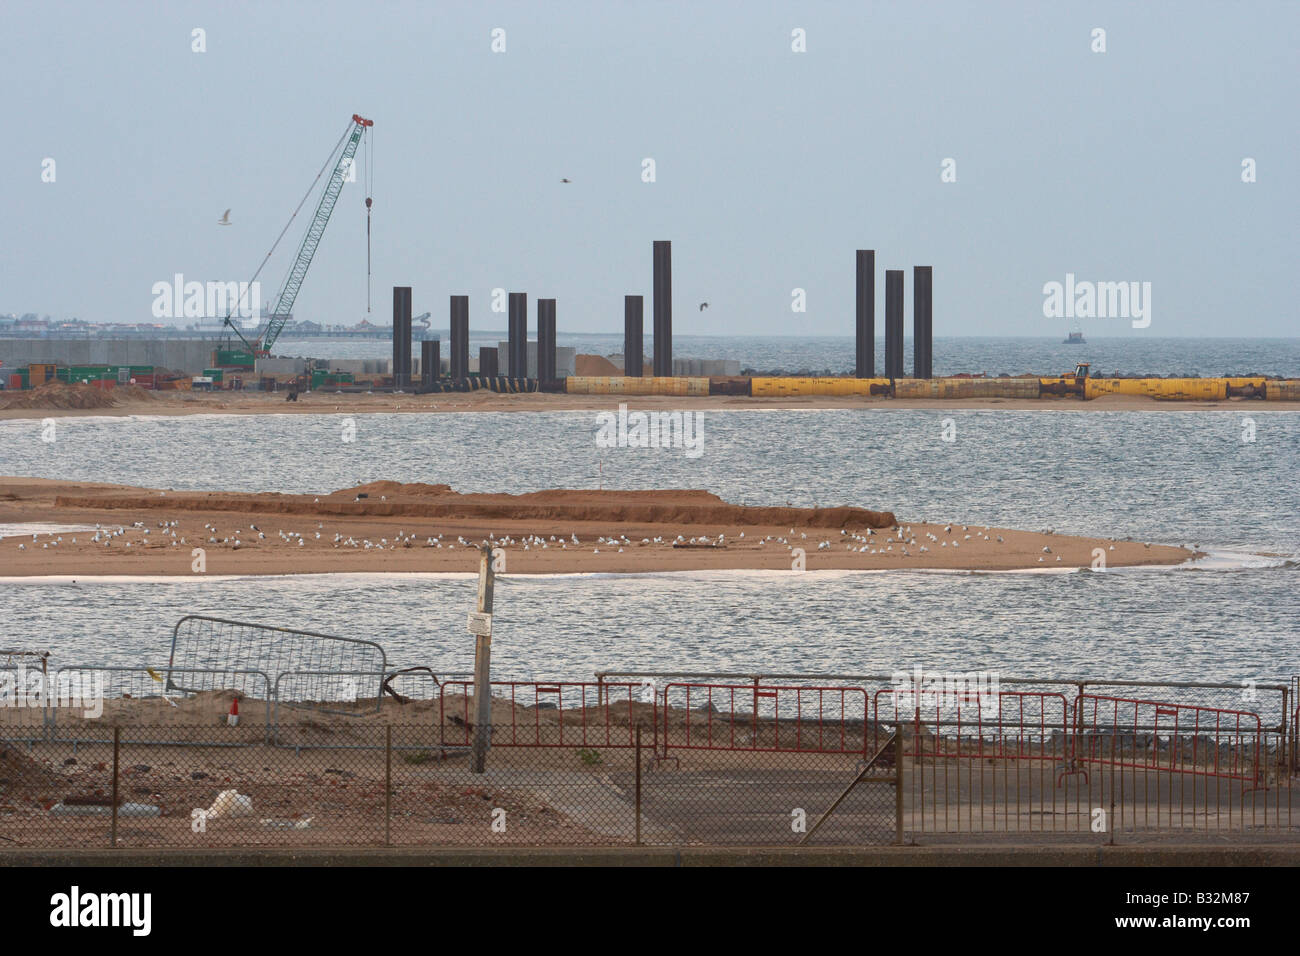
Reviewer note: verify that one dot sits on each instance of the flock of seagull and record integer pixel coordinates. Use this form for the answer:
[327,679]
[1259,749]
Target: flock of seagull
[901,537]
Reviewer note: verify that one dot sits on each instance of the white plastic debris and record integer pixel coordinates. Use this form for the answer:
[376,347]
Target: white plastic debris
[230,803]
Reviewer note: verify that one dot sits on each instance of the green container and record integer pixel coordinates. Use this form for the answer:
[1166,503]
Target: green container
[233,357]
[323,376]
[214,373]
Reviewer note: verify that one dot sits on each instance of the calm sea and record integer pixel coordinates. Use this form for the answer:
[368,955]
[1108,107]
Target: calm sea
[1130,355]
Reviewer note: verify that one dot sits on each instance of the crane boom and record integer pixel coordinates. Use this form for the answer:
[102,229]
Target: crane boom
[283,304]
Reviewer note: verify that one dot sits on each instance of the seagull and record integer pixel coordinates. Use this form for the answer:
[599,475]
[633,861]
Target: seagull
[566,180]
[703,306]
[225,219]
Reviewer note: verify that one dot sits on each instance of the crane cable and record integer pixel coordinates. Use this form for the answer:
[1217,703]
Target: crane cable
[370,184]
[310,190]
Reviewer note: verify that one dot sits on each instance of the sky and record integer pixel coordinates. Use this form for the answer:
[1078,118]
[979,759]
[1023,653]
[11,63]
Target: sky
[771,165]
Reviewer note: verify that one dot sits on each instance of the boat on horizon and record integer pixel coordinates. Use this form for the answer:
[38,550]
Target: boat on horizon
[1074,338]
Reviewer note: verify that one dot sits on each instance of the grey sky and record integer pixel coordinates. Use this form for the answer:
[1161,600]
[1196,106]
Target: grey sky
[772,166]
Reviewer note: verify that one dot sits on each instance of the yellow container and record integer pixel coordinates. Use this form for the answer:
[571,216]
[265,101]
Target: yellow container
[1285,391]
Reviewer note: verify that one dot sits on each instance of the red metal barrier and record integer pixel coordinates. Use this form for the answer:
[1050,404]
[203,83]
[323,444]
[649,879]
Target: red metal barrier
[756,717]
[1201,741]
[577,714]
[1006,725]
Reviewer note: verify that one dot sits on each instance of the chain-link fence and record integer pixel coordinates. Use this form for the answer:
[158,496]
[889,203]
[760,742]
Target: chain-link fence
[367,783]
[400,785]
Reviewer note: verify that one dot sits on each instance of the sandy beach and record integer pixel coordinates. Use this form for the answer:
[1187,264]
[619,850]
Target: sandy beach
[387,527]
[136,401]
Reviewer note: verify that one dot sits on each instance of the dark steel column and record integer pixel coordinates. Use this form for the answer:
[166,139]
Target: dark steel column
[401,336]
[546,340]
[430,362]
[894,323]
[865,360]
[633,330]
[458,358]
[922,321]
[663,307]
[487,362]
[517,336]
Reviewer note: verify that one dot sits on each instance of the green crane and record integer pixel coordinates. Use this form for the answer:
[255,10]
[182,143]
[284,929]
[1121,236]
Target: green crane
[283,304]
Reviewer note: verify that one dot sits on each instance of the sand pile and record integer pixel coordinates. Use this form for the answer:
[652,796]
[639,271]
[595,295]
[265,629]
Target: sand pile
[57,395]
[595,365]
[22,778]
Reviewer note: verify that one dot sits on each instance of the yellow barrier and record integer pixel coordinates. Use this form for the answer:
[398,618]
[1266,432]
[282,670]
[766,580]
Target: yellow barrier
[620,385]
[966,388]
[781,387]
[1164,389]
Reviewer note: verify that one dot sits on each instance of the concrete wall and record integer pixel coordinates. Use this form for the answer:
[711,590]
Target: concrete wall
[182,355]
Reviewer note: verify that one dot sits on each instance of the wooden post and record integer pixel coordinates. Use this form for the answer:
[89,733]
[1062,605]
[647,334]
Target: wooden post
[117,746]
[483,664]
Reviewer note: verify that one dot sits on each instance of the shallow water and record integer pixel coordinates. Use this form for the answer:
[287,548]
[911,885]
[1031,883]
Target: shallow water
[1177,478]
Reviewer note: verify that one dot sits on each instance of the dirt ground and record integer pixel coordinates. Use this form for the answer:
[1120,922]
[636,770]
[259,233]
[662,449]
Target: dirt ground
[387,527]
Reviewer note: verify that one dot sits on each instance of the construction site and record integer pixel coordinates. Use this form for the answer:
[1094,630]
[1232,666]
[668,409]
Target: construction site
[519,364]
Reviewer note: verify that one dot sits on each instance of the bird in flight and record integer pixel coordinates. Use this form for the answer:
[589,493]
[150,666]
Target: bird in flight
[566,180]
[703,306]
[225,219]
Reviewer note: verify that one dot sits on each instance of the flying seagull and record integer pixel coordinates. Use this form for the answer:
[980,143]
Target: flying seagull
[225,218]
[703,306]
[566,180]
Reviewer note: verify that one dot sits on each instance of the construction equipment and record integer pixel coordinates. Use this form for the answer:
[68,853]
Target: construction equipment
[1071,383]
[342,168]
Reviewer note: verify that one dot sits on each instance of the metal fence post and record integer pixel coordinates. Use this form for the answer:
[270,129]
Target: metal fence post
[638,784]
[898,785]
[388,785]
[1112,787]
[112,827]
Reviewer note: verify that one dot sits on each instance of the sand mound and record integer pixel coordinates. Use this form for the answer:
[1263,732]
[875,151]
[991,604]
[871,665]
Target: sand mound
[595,365]
[57,395]
[376,488]
[390,499]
